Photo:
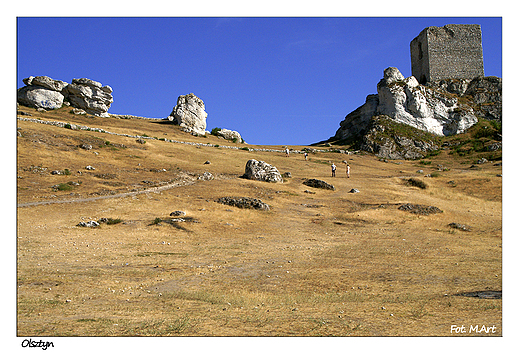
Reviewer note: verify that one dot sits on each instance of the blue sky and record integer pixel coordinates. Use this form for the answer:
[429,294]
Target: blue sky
[276,80]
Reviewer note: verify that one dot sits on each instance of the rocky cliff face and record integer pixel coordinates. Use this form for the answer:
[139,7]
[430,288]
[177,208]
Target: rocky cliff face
[484,94]
[441,108]
[190,114]
[388,139]
[45,92]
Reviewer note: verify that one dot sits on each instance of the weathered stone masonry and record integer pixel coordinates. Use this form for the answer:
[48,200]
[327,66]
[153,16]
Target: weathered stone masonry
[453,51]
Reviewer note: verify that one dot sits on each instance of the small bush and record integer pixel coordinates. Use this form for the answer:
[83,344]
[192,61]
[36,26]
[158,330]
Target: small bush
[64,187]
[497,125]
[157,221]
[434,153]
[215,130]
[114,220]
[417,183]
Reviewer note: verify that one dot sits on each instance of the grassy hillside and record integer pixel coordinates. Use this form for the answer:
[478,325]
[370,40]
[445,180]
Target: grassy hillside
[318,263]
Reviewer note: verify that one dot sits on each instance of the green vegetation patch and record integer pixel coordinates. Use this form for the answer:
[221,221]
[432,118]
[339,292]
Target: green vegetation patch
[417,183]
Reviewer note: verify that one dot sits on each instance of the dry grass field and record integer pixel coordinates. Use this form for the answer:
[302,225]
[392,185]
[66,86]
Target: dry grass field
[319,263]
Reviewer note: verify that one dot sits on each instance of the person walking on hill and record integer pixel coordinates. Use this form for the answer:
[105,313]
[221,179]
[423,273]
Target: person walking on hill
[333,167]
[306,155]
[287,152]
[347,169]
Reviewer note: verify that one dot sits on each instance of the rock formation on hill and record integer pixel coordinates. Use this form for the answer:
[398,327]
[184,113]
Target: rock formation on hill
[190,114]
[440,108]
[90,96]
[406,101]
[42,92]
[229,135]
[260,170]
[83,93]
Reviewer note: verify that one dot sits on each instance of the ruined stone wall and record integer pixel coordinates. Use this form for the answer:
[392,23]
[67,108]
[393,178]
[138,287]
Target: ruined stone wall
[453,51]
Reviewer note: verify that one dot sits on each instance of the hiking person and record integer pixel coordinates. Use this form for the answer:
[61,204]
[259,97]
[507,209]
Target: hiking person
[348,171]
[333,167]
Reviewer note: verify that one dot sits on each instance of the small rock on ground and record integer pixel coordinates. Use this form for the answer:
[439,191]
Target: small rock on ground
[419,209]
[178,214]
[89,224]
[320,184]
[460,226]
[244,202]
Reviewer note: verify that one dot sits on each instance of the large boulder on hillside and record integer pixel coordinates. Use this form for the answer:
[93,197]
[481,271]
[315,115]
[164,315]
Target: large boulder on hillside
[229,135]
[260,170]
[91,96]
[190,114]
[39,97]
[42,92]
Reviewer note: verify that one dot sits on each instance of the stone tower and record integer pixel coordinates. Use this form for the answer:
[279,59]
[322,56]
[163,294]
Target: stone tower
[452,51]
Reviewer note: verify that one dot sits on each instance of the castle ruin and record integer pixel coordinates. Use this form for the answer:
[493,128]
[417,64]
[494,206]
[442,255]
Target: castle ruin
[453,51]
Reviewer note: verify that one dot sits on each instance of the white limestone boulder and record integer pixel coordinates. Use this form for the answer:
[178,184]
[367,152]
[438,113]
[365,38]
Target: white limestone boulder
[190,114]
[260,170]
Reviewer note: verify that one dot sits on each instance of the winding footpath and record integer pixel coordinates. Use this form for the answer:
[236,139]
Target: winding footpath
[114,196]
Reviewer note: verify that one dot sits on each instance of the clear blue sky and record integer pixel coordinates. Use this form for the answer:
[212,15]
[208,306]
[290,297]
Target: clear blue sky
[275,80]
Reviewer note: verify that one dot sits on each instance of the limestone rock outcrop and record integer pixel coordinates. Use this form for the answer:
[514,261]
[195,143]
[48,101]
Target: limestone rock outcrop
[230,135]
[91,96]
[485,93]
[41,92]
[190,114]
[45,82]
[260,170]
[406,101]
[45,92]
[387,139]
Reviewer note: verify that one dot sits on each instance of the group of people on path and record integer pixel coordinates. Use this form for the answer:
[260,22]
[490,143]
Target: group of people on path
[333,166]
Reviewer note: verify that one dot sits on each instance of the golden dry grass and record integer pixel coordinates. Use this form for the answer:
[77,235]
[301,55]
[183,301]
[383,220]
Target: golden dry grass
[328,263]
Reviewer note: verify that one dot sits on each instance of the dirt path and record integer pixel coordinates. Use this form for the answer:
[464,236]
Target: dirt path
[96,198]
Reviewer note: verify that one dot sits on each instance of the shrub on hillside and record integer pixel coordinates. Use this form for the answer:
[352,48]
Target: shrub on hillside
[417,183]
